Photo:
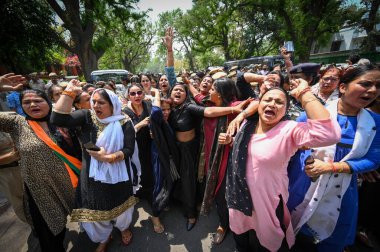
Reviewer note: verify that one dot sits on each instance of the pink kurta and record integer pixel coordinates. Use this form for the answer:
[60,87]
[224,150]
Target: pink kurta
[267,162]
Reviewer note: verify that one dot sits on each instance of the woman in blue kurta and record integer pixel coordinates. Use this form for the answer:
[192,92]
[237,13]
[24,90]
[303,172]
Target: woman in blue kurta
[328,213]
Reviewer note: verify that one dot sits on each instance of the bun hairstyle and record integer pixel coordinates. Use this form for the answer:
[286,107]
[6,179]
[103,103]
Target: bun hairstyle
[227,89]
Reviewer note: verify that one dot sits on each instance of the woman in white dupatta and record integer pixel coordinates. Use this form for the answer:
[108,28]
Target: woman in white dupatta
[328,214]
[105,195]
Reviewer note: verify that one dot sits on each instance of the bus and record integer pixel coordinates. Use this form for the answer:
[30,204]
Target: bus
[267,60]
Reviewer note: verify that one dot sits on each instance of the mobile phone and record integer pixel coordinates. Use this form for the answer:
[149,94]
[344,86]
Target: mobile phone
[91,146]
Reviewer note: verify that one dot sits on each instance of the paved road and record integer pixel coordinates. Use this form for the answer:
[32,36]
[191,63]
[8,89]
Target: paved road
[15,235]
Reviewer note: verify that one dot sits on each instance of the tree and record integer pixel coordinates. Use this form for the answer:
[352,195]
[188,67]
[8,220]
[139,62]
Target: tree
[304,21]
[27,35]
[89,23]
[183,35]
[130,50]
[371,18]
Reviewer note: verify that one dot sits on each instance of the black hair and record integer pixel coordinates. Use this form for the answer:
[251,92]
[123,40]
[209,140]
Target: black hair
[354,58]
[87,86]
[282,90]
[187,99]
[77,99]
[147,75]
[43,96]
[355,72]
[135,79]
[50,91]
[280,75]
[135,85]
[103,93]
[227,89]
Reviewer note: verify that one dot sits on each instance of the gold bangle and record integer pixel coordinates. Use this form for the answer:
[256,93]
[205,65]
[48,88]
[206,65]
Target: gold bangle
[341,168]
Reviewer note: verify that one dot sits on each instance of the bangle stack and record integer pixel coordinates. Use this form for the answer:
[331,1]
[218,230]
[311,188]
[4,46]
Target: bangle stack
[341,169]
[70,94]
[333,167]
[302,92]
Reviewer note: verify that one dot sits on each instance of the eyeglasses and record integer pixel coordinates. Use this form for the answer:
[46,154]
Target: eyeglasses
[136,93]
[332,79]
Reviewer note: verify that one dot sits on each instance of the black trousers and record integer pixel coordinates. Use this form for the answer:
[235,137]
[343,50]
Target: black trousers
[248,241]
[48,241]
[221,205]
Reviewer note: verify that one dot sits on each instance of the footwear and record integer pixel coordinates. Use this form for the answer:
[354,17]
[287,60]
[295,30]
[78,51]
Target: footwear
[190,223]
[102,247]
[126,237]
[219,235]
[157,225]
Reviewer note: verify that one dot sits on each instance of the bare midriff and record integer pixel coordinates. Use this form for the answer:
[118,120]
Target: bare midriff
[185,136]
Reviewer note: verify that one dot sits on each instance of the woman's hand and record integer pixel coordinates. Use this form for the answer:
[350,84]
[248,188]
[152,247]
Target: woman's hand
[285,54]
[317,168]
[11,82]
[99,155]
[168,39]
[297,86]
[74,86]
[234,125]
[224,138]
[142,124]
[372,176]
[241,106]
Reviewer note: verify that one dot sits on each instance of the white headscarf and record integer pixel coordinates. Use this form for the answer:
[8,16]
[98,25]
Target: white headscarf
[112,140]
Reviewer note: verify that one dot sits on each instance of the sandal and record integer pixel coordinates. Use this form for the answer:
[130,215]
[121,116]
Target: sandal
[102,247]
[219,236]
[157,225]
[126,237]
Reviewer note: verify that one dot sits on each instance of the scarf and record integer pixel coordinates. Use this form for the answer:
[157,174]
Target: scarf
[237,193]
[213,169]
[321,206]
[112,140]
[73,165]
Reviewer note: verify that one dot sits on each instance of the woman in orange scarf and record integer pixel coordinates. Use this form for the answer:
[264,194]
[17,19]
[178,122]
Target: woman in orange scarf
[50,164]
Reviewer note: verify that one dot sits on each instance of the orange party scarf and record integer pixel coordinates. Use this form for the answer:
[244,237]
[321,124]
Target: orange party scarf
[72,164]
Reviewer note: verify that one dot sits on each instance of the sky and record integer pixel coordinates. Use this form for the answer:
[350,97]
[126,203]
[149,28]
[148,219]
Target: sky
[159,6]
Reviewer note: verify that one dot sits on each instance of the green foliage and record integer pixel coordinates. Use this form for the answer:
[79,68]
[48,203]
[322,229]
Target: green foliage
[130,50]
[26,35]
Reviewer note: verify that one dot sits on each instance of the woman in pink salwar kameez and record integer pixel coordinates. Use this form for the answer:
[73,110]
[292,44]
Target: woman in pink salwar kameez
[257,181]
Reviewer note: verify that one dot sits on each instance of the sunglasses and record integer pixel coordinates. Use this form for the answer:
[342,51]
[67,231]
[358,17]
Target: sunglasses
[332,79]
[136,93]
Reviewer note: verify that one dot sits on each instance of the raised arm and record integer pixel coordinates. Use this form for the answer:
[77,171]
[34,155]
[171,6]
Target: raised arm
[11,82]
[311,104]
[234,125]
[168,42]
[62,115]
[287,58]
[169,68]
[65,102]
[221,111]
[319,130]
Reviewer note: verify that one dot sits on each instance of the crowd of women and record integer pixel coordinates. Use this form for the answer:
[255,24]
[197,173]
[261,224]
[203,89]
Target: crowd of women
[279,183]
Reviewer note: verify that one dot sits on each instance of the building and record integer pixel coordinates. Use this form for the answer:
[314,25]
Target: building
[341,44]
